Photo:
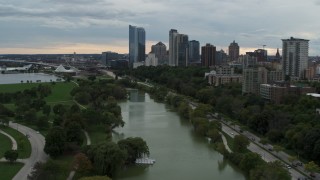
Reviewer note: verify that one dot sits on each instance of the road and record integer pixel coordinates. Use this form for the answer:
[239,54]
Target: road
[265,155]
[37,142]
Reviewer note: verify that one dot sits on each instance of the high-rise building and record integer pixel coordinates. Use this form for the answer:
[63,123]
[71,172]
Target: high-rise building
[253,77]
[234,51]
[208,55]
[178,48]
[137,44]
[160,51]
[221,57]
[172,47]
[295,56]
[182,41]
[194,51]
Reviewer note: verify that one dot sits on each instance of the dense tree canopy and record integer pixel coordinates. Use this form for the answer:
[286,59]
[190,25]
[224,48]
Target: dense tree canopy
[135,147]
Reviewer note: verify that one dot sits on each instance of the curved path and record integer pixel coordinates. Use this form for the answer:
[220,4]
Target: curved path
[37,142]
[225,142]
[72,173]
[14,142]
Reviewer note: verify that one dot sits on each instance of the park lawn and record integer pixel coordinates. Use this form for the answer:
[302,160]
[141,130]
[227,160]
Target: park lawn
[24,146]
[9,170]
[60,92]
[10,88]
[97,134]
[5,144]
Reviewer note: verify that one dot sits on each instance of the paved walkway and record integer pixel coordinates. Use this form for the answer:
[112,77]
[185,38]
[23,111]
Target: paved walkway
[225,142]
[14,142]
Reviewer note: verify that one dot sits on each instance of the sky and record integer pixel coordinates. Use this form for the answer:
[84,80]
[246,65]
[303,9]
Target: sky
[95,26]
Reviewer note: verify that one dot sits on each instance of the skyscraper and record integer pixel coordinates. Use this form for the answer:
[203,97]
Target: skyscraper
[194,51]
[160,51]
[208,55]
[182,41]
[234,50]
[295,56]
[137,44]
[178,48]
[172,46]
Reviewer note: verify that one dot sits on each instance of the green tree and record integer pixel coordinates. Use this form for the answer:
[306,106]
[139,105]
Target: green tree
[136,148]
[214,135]
[83,98]
[59,109]
[55,141]
[277,149]
[4,120]
[240,143]
[183,110]
[272,170]
[249,161]
[312,167]
[106,158]
[46,110]
[42,122]
[82,163]
[11,155]
[74,133]
[50,170]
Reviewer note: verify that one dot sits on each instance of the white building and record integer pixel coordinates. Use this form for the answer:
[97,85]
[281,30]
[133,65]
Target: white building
[295,56]
[151,60]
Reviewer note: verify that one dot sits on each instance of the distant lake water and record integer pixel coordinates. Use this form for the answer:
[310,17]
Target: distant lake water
[34,77]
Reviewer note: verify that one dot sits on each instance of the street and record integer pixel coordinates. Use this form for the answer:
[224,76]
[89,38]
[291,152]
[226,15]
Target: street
[37,142]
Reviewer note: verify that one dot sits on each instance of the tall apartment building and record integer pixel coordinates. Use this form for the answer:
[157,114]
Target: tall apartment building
[137,44]
[234,51]
[295,56]
[221,57]
[194,51]
[253,77]
[178,48]
[160,51]
[172,47]
[208,55]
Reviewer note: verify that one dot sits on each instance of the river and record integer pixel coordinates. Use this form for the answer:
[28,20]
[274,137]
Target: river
[178,151]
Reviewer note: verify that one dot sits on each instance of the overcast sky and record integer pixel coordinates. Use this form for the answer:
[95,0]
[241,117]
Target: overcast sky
[93,26]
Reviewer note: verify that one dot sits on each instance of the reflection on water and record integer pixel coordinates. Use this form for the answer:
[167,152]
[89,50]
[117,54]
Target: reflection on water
[179,152]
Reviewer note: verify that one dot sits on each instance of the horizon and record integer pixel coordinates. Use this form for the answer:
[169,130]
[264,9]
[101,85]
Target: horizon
[87,28]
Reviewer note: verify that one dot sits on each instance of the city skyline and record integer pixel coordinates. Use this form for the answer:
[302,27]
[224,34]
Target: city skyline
[101,25]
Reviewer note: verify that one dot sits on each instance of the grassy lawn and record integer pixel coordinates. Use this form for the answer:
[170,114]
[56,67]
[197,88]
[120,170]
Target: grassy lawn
[9,88]
[5,144]
[60,92]
[24,146]
[229,140]
[8,170]
[97,134]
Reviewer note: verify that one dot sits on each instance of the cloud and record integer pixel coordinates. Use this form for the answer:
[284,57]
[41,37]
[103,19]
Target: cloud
[249,22]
